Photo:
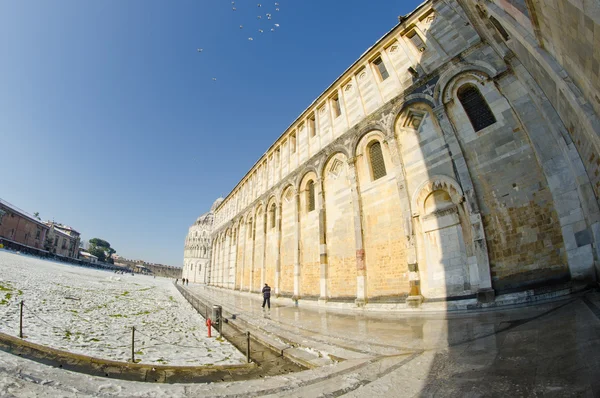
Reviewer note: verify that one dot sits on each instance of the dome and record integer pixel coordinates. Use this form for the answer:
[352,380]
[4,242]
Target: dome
[216,204]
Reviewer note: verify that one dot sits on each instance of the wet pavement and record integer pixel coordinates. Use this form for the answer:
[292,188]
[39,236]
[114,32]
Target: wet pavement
[550,349]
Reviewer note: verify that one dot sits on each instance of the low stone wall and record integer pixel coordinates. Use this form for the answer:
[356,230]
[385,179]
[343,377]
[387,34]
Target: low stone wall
[123,370]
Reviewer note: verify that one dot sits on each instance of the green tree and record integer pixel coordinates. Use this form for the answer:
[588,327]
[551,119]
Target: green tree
[101,249]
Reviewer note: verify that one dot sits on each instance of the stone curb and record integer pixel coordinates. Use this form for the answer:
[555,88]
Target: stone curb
[122,370]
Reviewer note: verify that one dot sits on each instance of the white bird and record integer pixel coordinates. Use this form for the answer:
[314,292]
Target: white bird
[214,79]
[259,17]
[241,26]
[250,39]
[276,4]
[233,8]
[276,25]
[277,9]
[272,29]
[259,4]
[199,50]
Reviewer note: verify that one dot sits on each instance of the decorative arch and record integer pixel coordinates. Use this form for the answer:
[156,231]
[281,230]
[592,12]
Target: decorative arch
[476,67]
[308,187]
[455,80]
[435,183]
[326,159]
[356,142]
[284,191]
[300,179]
[359,146]
[375,164]
[411,118]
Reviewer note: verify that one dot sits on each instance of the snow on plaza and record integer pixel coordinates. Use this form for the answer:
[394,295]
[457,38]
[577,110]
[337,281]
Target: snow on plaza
[92,312]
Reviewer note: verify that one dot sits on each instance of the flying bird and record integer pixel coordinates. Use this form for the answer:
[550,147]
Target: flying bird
[250,39]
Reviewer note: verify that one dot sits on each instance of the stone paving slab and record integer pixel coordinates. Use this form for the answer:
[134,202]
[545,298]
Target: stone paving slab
[550,349]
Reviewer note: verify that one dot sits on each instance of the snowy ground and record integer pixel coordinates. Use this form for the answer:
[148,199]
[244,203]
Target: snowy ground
[92,312]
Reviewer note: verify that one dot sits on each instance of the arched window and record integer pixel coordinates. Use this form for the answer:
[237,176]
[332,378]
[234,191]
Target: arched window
[475,106]
[310,196]
[272,215]
[377,162]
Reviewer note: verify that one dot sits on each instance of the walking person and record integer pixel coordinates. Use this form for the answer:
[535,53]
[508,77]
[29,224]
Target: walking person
[266,291]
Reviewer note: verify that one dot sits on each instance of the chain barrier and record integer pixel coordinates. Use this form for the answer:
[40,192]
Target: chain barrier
[32,312]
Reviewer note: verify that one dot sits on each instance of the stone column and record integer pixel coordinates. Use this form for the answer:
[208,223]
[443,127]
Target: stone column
[296,295]
[227,258]
[264,251]
[415,298]
[361,269]
[243,238]
[220,266]
[320,196]
[215,270]
[213,252]
[253,243]
[278,254]
[485,292]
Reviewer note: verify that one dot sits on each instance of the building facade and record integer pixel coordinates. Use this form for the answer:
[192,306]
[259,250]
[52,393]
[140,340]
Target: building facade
[196,258]
[21,227]
[457,158]
[62,240]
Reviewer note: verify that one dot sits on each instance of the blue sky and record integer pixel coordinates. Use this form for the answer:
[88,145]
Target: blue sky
[111,123]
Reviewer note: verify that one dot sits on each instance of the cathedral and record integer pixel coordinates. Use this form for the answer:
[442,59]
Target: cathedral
[456,159]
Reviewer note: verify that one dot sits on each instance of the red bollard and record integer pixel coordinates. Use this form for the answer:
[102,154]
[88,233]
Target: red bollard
[209,324]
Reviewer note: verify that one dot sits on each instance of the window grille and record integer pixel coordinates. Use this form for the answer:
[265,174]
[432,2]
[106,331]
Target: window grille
[383,73]
[273,215]
[311,196]
[416,40]
[500,28]
[476,107]
[377,162]
[312,126]
[337,110]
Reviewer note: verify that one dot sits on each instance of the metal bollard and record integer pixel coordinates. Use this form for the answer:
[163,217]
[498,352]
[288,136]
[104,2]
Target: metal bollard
[21,321]
[248,346]
[133,344]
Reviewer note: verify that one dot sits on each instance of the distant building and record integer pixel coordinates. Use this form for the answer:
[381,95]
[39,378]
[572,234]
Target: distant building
[62,240]
[21,227]
[198,244]
[83,255]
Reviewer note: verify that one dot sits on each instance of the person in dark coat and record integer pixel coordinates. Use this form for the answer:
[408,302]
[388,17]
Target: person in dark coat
[266,291]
